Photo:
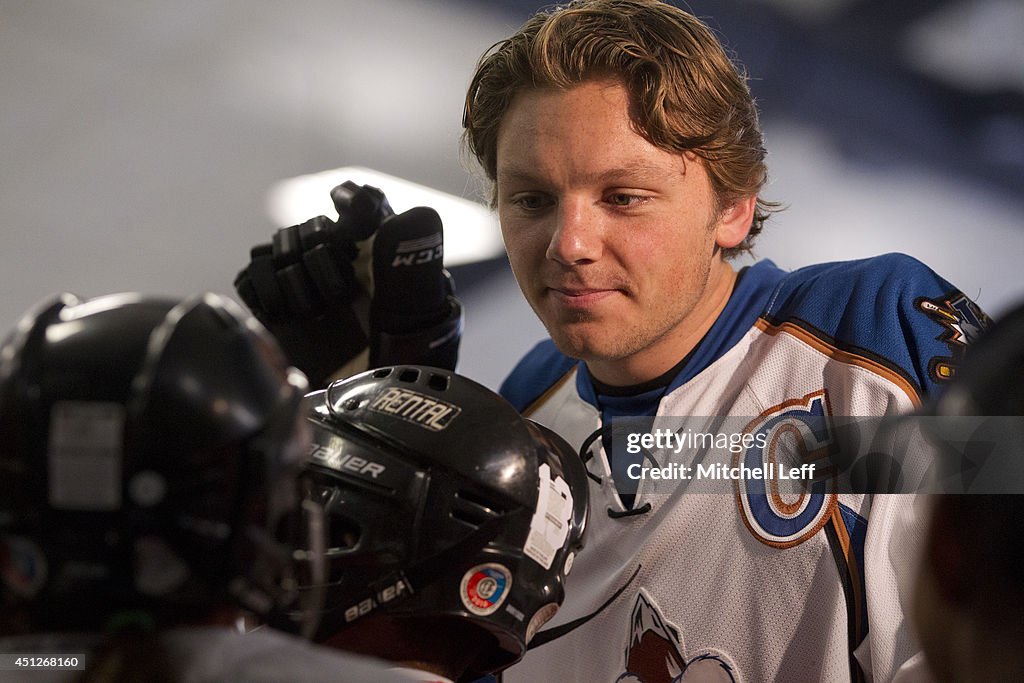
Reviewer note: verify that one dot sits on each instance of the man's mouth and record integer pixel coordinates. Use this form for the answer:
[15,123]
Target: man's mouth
[581,297]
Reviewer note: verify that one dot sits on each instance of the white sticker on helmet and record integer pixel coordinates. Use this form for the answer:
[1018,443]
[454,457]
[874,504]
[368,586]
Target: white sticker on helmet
[550,524]
[85,455]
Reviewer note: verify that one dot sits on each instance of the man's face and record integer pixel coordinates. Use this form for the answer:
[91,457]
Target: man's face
[611,239]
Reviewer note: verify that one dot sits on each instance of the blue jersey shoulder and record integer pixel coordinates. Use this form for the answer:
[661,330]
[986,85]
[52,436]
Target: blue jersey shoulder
[891,309]
[534,374]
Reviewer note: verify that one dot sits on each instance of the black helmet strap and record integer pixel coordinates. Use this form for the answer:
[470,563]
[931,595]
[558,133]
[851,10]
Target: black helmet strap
[554,632]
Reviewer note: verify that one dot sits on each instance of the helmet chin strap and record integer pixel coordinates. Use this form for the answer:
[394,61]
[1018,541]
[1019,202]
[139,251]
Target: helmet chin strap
[547,635]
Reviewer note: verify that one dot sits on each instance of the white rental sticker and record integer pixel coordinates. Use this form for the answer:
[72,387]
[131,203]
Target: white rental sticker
[550,524]
[86,440]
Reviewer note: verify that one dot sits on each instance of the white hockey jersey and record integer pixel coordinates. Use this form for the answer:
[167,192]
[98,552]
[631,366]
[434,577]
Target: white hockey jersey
[743,584]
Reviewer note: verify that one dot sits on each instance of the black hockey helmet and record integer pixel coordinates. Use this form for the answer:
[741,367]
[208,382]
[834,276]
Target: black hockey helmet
[148,450]
[443,501]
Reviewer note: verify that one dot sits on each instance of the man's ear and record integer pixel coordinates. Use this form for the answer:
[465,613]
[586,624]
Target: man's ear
[734,222]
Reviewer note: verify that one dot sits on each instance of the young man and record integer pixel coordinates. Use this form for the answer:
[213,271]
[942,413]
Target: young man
[626,160]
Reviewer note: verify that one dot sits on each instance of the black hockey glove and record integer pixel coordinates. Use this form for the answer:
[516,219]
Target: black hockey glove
[365,291]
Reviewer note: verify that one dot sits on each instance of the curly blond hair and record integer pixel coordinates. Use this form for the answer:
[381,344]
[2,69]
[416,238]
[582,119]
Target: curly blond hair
[687,95]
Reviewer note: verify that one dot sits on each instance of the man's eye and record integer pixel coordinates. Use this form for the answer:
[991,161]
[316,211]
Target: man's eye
[531,202]
[623,199]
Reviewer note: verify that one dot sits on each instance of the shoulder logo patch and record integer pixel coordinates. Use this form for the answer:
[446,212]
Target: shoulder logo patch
[962,322]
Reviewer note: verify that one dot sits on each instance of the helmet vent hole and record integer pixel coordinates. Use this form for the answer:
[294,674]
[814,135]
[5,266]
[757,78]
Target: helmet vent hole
[381,373]
[409,375]
[439,382]
[468,517]
[471,509]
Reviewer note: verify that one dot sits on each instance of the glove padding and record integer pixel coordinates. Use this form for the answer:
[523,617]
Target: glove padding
[327,290]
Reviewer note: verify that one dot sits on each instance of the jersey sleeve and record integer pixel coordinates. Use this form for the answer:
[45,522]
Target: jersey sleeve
[890,309]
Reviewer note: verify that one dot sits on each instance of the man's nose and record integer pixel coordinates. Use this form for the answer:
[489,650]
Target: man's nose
[577,237]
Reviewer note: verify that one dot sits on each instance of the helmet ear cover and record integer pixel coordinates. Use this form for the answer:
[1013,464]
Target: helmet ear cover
[442,491]
[151,445]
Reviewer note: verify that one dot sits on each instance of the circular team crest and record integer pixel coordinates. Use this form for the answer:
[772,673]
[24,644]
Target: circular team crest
[484,588]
